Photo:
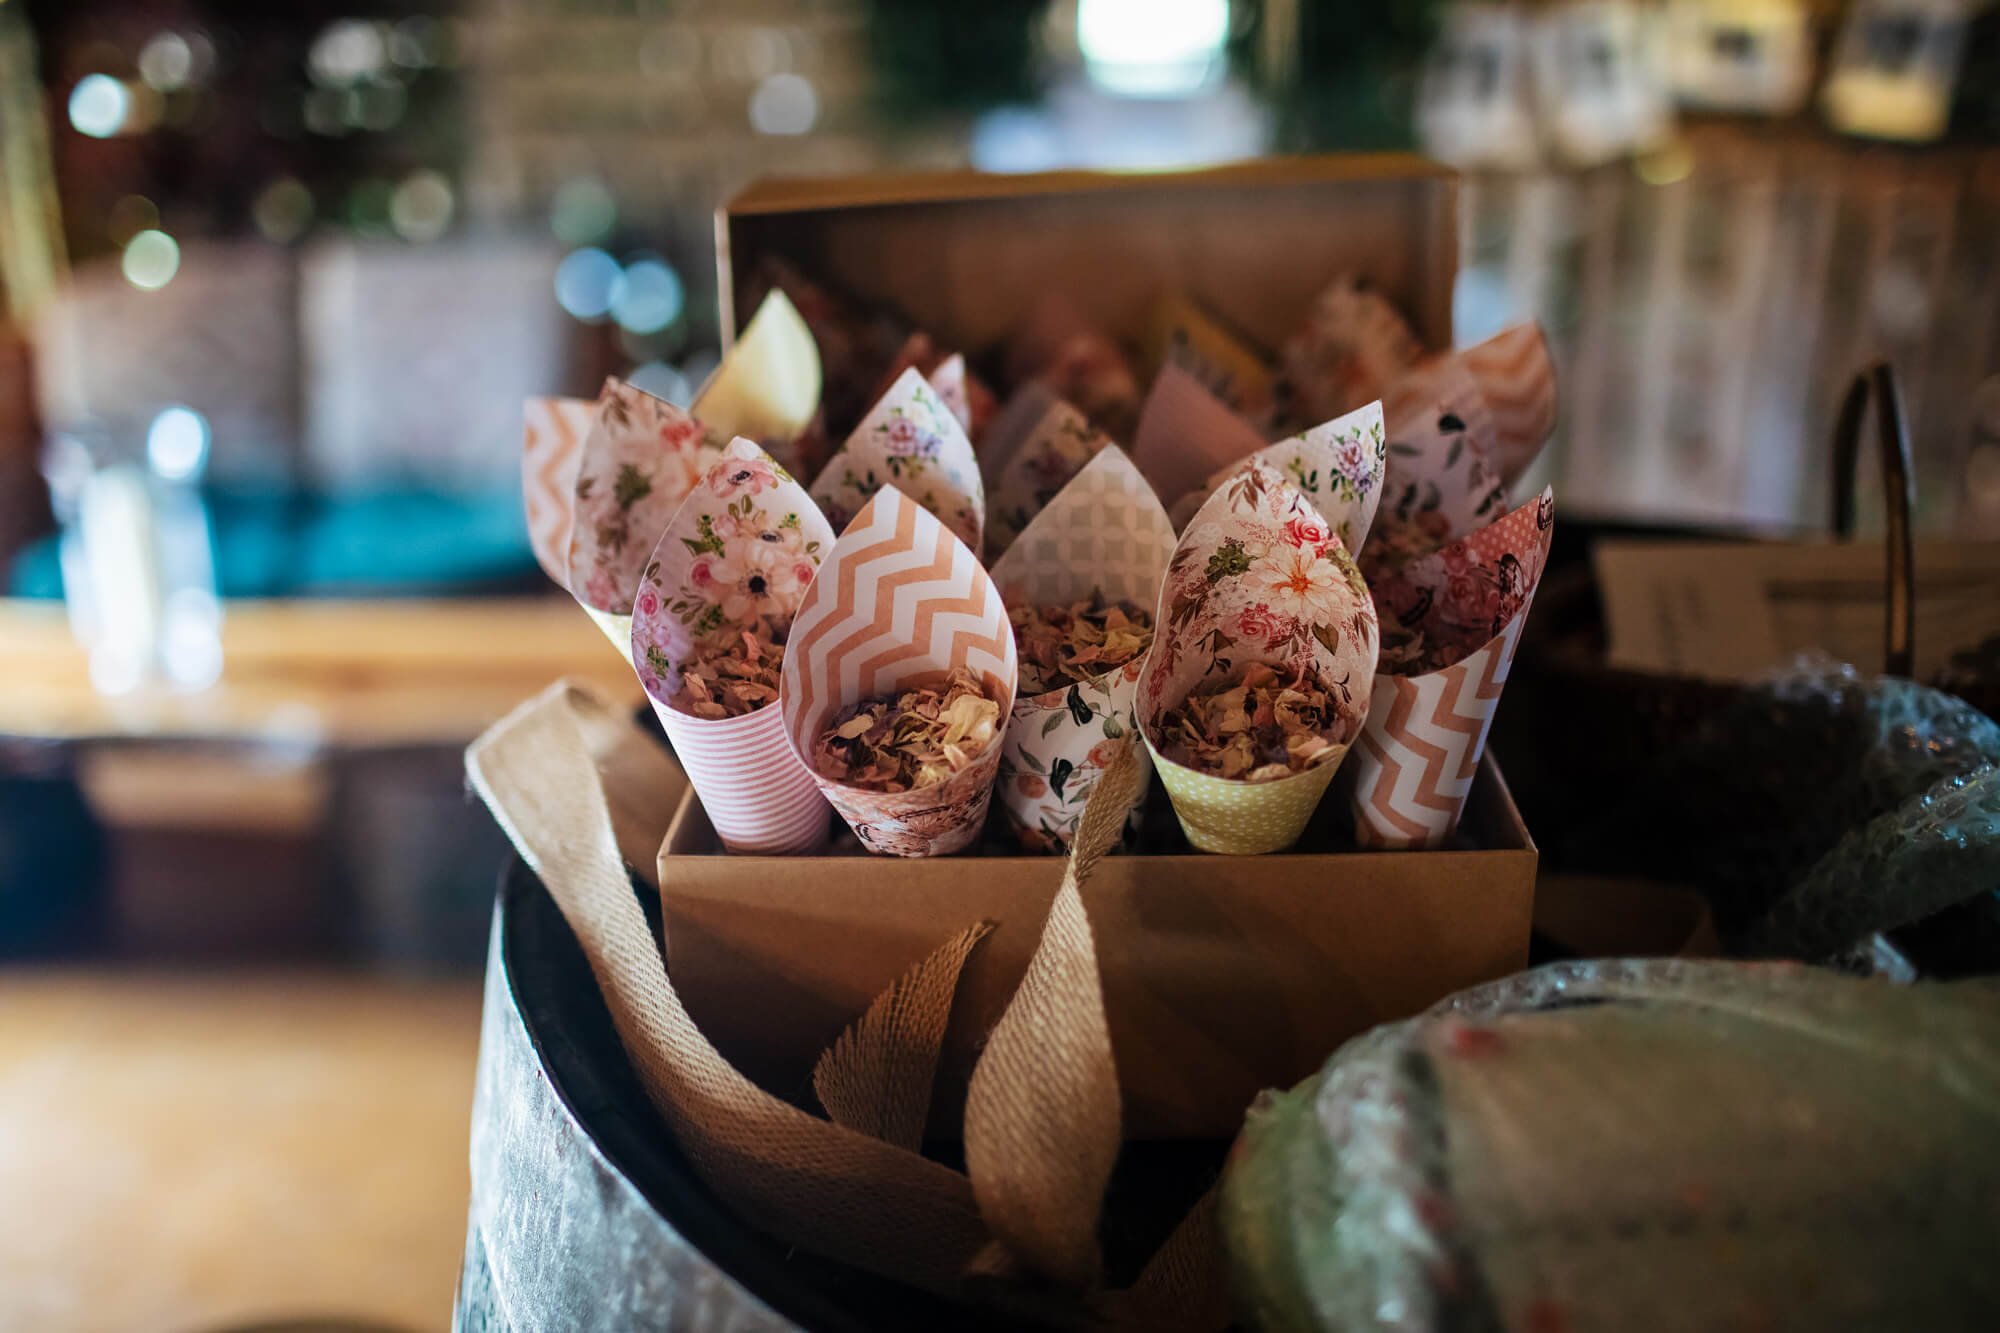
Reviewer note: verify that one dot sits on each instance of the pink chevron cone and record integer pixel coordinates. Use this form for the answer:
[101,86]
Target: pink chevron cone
[1414,763]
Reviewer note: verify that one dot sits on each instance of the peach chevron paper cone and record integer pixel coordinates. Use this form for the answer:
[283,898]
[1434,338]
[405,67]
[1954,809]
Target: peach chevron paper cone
[1053,451]
[1186,434]
[768,385]
[552,433]
[641,459]
[1451,622]
[1517,380]
[1257,577]
[1352,344]
[909,440]
[1337,466]
[1104,536]
[742,549]
[1462,426]
[900,600]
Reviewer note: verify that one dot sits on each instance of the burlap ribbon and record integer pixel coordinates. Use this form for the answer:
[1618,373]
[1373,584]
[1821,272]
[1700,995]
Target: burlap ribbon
[1042,1124]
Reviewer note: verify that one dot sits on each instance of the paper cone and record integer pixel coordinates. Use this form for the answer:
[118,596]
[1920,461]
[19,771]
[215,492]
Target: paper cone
[911,441]
[1052,452]
[1104,534]
[1352,345]
[640,460]
[1517,379]
[1442,481]
[768,385]
[1338,467]
[965,396]
[1185,335]
[1453,620]
[745,545]
[1257,577]
[552,433]
[1011,424]
[1186,434]
[1058,347]
[899,598]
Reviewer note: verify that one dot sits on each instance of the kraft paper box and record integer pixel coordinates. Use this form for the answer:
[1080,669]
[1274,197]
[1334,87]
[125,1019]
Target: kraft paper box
[1223,975]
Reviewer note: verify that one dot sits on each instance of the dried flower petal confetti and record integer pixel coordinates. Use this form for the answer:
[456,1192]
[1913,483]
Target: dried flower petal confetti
[914,739]
[1060,645]
[1256,725]
[734,673]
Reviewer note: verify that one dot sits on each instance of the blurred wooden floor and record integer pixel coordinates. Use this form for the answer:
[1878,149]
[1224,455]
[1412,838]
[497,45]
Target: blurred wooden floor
[189,1153]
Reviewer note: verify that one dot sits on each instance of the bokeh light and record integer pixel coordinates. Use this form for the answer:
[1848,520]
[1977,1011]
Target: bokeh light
[166,62]
[649,297]
[283,210]
[587,282]
[130,216]
[150,260]
[784,104]
[1152,48]
[177,443]
[583,211]
[347,52]
[421,207]
[99,106]
[662,381]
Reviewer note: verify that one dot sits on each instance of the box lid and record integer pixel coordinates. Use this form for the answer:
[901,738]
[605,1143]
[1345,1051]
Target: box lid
[964,254]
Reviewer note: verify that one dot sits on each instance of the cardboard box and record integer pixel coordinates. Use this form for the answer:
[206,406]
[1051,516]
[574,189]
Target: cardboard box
[964,255]
[1222,975]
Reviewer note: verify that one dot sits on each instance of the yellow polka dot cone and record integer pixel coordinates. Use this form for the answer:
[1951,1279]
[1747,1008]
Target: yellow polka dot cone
[1259,577]
[1235,818]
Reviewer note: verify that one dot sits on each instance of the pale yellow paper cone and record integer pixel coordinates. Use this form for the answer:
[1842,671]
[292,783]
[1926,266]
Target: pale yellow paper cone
[1243,818]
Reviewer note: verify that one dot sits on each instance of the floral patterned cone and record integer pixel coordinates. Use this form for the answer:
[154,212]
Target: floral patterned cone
[1352,345]
[1104,535]
[1451,622]
[641,459]
[1186,434]
[911,441]
[1053,451]
[768,386]
[552,435]
[1462,426]
[1338,467]
[1517,380]
[1258,577]
[1017,417]
[898,599]
[964,396]
[743,548]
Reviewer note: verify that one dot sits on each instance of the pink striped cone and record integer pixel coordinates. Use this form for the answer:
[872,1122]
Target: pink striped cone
[1416,757]
[753,788]
[741,551]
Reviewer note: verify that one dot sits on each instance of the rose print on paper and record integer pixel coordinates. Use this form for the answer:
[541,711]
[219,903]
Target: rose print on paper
[1337,466]
[910,440]
[1442,608]
[640,460]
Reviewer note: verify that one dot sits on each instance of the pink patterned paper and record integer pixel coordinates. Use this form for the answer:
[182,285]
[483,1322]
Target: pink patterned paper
[911,441]
[1442,608]
[1351,346]
[743,548]
[641,458]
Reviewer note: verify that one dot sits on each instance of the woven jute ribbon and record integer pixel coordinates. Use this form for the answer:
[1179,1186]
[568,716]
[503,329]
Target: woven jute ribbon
[1042,1123]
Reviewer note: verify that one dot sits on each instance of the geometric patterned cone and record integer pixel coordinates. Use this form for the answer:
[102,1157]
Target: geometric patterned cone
[1232,818]
[899,600]
[1103,535]
[552,431]
[1414,763]
[742,550]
